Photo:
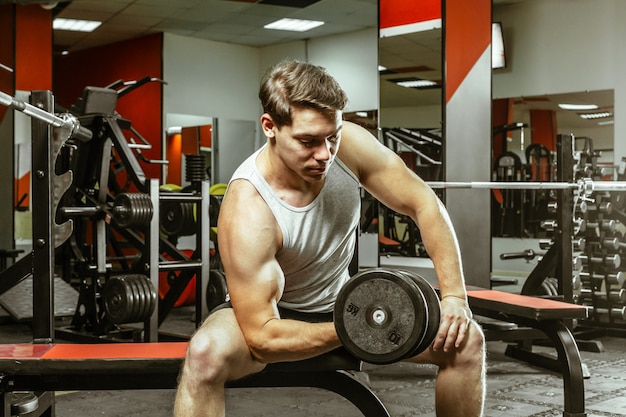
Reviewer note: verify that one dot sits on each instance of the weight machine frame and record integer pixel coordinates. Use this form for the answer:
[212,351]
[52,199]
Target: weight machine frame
[48,189]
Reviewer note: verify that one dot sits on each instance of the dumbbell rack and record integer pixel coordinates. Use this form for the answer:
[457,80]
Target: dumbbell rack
[48,235]
[600,263]
[582,264]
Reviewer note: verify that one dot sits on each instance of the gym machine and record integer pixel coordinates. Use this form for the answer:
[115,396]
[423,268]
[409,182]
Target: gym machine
[98,218]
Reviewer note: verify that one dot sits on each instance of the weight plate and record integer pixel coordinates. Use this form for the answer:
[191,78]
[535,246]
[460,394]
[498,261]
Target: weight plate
[117,300]
[122,210]
[216,290]
[133,290]
[432,311]
[142,297]
[151,297]
[375,316]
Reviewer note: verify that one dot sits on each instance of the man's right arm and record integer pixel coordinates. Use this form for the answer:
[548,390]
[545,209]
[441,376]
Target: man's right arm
[249,239]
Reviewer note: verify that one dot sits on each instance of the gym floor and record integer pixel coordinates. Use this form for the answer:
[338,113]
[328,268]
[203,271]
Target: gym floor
[514,388]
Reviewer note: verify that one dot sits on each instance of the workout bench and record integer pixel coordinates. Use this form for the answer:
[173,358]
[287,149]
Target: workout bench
[119,366]
[547,316]
[43,368]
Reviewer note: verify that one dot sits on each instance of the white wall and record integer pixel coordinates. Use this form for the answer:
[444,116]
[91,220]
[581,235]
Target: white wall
[559,46]
[215,79]
[352,59]
[211,79]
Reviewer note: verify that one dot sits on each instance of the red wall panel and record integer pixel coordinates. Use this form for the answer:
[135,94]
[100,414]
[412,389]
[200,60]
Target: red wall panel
[129,60]
[33,48]
[402,12]
[7,51]
[468,34]
[544,129]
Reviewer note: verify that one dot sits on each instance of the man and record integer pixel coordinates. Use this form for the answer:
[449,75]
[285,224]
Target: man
[286,235]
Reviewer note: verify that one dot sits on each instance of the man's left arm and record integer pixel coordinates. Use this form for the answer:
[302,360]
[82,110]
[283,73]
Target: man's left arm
[388,179]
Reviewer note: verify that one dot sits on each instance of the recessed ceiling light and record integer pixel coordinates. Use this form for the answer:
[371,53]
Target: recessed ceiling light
[606,122]
[578,106]
[75,25]
[294,25]
[417,83]
[414,82]
[600,115]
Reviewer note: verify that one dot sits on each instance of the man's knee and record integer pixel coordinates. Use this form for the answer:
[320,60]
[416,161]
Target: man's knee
[472,352]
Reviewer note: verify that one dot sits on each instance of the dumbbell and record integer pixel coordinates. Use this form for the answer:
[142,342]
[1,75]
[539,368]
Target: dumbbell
[614,295]
[579,244]
[618,313]
[611,279]
[606,225]
[611,261]
[384,316]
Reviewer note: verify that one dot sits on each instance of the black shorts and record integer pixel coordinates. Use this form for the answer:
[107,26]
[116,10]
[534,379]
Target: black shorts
[291,314]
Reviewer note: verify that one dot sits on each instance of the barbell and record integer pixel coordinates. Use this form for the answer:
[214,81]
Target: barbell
[583,186]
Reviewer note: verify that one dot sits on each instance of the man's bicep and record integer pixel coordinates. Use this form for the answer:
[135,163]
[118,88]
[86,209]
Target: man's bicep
[248,246]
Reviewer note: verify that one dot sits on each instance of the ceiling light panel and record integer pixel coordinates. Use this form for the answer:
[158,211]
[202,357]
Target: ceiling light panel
[578,107]
[75,25]
[600,115]
[294,25]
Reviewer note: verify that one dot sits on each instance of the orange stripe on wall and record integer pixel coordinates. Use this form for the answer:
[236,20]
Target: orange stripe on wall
[33,48]
[501,114]
[173,146]
[7,51]
[468,34]
[543,128]
[402,12]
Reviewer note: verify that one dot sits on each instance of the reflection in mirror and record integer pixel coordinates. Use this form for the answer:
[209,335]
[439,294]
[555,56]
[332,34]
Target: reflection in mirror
[525,150]
[410,68]
[517,215]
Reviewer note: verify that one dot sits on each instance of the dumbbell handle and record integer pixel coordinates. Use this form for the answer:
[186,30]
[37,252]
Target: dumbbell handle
[528,254]
[579,244]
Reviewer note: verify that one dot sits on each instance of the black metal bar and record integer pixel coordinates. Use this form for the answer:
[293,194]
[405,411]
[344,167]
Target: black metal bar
[565,209]
[43,219]
[339,382]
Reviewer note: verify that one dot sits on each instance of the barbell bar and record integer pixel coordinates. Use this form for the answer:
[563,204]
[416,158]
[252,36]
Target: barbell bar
[585,185]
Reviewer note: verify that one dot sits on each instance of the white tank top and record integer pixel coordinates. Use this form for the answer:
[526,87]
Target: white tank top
[318,240]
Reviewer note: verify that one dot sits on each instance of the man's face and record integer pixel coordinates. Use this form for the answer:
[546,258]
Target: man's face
[309,145]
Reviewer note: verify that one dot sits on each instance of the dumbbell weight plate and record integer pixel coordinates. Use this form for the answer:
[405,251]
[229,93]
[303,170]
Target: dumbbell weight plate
[117,300]
[375,316]
[432,311]
[217,290]
[138,298]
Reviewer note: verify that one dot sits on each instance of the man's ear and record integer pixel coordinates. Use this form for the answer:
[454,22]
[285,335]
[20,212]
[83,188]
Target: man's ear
[267,124]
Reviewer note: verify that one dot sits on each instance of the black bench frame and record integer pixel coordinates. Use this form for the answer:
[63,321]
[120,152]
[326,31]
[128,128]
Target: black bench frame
[550,323]
[332,372]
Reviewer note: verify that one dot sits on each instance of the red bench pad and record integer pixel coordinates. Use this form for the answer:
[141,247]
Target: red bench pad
[162,350]
[534,308]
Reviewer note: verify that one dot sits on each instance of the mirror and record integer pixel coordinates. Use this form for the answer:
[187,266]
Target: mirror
[517,215]
[410,122]
[522,154]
